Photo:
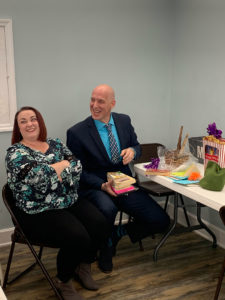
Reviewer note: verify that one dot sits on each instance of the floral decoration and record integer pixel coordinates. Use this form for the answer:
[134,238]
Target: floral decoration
[154,164]
[212,130]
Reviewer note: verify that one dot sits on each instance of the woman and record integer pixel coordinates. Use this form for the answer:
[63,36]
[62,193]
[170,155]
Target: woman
[43,176]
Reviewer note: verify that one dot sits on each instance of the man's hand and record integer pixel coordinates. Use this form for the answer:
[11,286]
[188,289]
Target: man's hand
[128,155]
[106,187]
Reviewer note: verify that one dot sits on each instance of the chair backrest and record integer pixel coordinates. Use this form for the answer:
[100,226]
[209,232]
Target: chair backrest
[148,151]
[9,202]
[14,211]
[222,214]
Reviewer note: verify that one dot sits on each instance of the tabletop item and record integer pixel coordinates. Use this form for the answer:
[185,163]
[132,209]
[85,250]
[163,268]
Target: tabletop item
[186,182]
[214,150]
[175,158]
[196,148]
[208,198]
[154,164]
[212,130]
[157,172]
[214,146]
[186,171]
[214,178]
[189,176]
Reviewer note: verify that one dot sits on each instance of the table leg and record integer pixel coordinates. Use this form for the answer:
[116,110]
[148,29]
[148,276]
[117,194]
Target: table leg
[189,228]
[199,206]
[172,227]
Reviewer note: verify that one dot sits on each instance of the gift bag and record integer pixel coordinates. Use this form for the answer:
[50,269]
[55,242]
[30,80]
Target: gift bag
[214,150]
[214,178]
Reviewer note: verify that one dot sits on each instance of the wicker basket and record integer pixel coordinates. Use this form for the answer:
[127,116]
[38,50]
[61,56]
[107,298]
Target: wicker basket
[174,160]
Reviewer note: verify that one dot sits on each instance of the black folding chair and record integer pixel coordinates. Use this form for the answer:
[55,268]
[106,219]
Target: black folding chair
[149,151]
[18,236]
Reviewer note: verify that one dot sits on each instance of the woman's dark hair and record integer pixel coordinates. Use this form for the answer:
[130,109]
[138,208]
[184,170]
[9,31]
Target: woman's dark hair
[16,135]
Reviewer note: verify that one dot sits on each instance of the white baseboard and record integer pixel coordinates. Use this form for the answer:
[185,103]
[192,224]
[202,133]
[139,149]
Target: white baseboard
[219,233]
[5,236]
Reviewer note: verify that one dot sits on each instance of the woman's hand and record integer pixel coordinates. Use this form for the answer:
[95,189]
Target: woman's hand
[59,167]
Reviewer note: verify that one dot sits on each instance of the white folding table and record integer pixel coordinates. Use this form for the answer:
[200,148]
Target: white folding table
[202,197]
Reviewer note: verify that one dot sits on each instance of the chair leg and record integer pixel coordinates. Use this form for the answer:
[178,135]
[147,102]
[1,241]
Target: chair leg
[28,269]
[8,265]
[141,245]
[45,272]
[121,218]
[220,281]
[40,252]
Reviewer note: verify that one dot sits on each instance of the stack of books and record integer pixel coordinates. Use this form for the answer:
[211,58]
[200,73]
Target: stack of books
[121,183]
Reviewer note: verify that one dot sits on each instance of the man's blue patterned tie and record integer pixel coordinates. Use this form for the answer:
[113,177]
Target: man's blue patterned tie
[115,155]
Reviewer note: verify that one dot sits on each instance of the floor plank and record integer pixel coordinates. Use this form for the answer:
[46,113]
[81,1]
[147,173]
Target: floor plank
[187,268]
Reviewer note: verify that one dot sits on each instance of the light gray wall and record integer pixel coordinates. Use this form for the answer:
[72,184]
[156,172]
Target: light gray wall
[63,49]
[198,86]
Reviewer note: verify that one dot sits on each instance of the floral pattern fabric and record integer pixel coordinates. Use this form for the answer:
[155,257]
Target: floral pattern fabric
[35,184]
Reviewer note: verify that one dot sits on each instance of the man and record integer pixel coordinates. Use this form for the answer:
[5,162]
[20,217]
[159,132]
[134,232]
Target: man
[91,142]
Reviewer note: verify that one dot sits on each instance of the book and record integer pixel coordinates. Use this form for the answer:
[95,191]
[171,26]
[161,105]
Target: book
[120,180]
[127,190]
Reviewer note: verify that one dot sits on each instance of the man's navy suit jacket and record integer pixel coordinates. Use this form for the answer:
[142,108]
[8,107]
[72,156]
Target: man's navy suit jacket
[85,143]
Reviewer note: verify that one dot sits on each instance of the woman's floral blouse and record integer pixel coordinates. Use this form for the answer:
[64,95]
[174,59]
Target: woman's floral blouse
[35,184]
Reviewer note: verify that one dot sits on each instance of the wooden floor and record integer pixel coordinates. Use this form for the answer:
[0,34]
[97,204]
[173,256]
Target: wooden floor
[187,269]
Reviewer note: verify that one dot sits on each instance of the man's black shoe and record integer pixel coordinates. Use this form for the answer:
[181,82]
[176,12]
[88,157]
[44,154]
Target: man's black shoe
[136,231]
[115,241]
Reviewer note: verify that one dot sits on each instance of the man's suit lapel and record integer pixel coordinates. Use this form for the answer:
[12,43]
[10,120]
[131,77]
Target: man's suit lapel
[96,138]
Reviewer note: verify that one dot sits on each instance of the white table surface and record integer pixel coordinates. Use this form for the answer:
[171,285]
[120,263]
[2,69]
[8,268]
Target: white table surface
[211,199]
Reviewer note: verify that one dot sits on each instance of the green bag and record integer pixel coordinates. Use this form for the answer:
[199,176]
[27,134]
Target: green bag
[214,178]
